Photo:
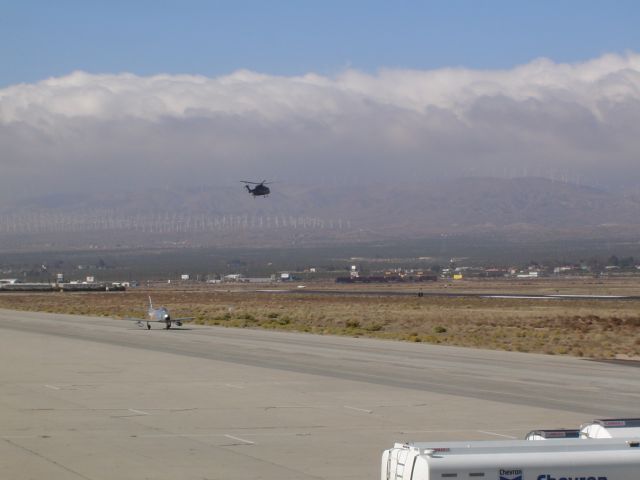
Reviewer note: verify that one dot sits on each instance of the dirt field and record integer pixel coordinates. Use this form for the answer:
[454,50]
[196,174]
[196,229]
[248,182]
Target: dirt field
[580,327]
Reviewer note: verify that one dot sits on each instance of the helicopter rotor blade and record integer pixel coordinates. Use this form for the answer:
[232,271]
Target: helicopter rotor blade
[264,182]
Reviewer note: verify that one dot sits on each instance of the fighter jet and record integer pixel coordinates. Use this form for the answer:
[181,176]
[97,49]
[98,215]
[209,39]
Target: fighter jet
[160,314]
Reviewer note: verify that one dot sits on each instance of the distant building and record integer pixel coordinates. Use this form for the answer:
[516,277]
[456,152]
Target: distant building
[495,272]
[394,278]
[270,279]
[353,273]
[563,269]
[532,274]
[232,277]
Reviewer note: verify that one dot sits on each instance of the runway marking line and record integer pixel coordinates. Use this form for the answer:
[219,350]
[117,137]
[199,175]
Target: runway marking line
[231,385]
[178,435]
[498,434]
[248,442]
[52,387]
[139,412]
[358,409]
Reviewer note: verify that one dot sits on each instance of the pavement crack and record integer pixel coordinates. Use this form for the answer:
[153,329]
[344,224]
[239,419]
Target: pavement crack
[46,459]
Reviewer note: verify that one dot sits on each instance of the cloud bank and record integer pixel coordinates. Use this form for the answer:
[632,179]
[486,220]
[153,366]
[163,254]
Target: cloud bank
[580,122]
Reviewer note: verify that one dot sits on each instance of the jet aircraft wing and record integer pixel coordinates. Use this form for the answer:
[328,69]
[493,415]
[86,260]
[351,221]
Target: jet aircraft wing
[141,322]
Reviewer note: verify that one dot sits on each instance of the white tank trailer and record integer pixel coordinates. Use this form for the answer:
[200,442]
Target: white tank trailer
[552,434]
[612,428]
[561,459]
[599,428]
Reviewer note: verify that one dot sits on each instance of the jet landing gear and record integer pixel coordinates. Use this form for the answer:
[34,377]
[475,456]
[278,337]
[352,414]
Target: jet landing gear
[168,326]
[148,326]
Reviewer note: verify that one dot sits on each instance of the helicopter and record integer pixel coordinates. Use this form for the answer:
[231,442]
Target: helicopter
[260,188]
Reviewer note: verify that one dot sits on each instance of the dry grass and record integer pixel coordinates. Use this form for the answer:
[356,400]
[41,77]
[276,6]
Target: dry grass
[582,327]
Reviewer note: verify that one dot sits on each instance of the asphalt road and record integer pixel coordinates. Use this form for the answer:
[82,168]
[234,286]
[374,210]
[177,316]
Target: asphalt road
[97,398]
[413,293]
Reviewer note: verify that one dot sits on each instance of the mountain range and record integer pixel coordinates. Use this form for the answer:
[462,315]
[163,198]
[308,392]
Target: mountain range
[532,208]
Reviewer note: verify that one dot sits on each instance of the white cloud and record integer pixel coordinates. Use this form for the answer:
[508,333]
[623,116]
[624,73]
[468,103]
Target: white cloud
[579,120]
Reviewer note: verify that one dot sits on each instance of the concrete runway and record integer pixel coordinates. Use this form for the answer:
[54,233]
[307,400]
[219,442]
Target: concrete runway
[97,398]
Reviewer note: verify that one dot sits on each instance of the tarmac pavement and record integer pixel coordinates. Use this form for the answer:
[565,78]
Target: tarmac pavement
[98,398]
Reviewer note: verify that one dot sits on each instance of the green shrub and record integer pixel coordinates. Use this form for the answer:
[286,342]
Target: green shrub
[374,327]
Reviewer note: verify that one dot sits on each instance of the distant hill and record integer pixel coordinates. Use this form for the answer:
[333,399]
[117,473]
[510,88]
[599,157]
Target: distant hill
[520,207]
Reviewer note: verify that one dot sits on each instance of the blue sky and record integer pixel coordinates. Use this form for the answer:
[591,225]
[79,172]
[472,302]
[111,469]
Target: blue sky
[39,39]
[384,103]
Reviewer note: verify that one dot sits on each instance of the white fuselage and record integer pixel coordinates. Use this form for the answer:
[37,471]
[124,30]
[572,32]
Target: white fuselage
[159,315]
